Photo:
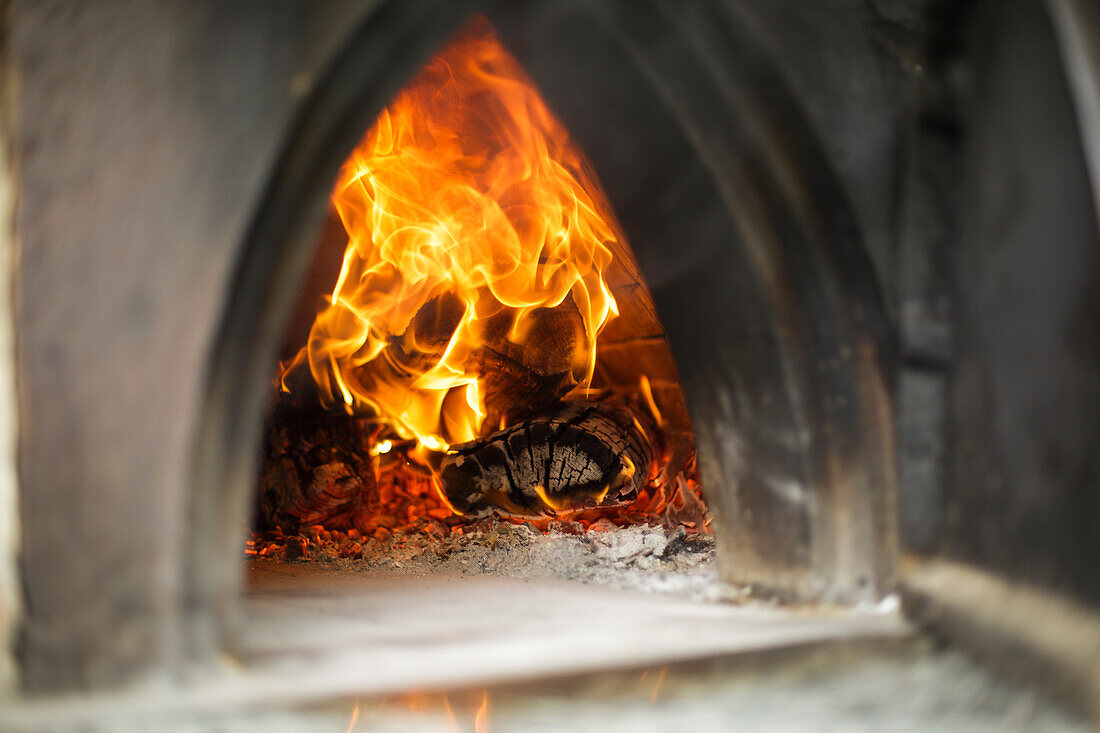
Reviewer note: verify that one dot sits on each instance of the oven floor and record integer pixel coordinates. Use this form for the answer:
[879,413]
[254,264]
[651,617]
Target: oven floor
[325,649]
[313,627]
[902,685]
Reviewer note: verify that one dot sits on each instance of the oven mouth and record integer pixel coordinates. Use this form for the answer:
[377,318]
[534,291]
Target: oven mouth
[757,274]
[488,347]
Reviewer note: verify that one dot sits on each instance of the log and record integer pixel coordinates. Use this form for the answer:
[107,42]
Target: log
[315,470]
[512,391]
[581,454]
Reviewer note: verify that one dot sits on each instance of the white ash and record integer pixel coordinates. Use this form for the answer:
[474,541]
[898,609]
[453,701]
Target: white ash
[638,557]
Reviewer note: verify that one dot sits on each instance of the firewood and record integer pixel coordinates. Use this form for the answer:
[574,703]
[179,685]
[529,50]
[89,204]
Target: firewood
[512,391]
[519,377]
[316,470]
[547,342]
[581,454]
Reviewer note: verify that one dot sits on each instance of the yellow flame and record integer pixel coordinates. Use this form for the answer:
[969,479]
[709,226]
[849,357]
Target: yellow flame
[629,469]
[550,503]
[354,716]
[657,686]
[467,209]
[442,496]
[450,714]
[481,719]
[647,393]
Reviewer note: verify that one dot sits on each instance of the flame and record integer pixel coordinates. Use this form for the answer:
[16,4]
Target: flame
[380,448]
[647,394]
[354,716]
[467,209]
[481,718]
[450,714]
[657,686]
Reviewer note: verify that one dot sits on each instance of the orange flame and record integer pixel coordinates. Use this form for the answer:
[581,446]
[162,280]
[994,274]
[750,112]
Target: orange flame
[467,208]
[481,718]
[657,686]
[354,716]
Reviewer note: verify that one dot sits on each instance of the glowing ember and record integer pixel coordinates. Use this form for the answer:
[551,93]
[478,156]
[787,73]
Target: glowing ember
[469,214]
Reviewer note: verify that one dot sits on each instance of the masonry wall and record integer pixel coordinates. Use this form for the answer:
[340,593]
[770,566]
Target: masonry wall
[142,134]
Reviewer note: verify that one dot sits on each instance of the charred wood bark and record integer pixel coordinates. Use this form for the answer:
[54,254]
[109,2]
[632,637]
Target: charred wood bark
[513,391]
[582,454]
[316,470]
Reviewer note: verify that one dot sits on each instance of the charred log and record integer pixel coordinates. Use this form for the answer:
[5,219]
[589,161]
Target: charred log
[513,391]
[316,470]
[582,454]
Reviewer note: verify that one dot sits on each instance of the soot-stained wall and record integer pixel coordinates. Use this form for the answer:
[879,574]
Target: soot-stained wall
[142,134]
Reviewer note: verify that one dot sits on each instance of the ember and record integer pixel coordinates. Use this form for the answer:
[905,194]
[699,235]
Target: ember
[463,364]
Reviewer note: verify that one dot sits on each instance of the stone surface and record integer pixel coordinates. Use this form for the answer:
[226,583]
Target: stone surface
[892,688]
[1023,463]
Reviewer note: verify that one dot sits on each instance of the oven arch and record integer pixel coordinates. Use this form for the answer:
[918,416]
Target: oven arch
[777,319]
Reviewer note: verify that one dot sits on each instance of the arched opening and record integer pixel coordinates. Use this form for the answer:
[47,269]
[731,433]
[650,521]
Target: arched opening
[753,258]
[474,338]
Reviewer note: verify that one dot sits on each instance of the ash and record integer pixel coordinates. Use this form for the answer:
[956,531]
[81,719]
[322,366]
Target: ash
[636,558]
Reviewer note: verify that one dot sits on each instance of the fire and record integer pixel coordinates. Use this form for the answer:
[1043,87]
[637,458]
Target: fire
[354,716]
[481,718]
[468,212]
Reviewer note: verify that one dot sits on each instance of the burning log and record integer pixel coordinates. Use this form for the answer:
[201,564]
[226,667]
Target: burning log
[532,373]
[519,377]
[583,454]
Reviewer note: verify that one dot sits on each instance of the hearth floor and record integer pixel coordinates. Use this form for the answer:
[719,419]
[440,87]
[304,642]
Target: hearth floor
[881,686]
[546,632]
[878,684]
[327,648]
[509,603]
[318,630]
